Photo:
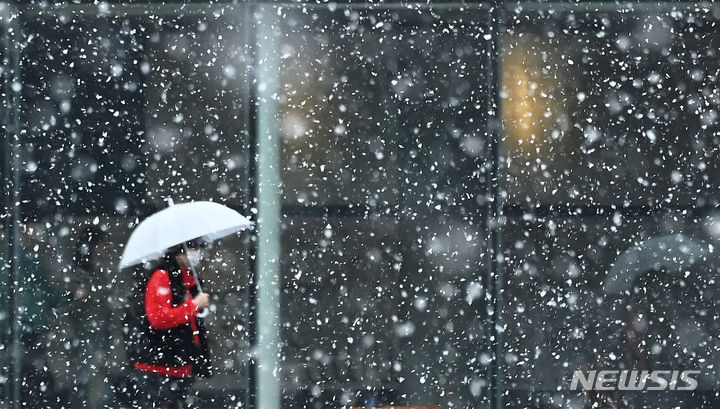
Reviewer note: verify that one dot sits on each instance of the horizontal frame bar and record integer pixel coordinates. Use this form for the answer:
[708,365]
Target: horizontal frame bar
[114,10]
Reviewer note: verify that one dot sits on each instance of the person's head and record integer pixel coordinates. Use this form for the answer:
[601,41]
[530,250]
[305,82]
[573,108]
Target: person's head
[178,256]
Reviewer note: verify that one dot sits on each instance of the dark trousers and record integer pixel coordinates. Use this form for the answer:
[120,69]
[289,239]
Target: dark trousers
[151,390]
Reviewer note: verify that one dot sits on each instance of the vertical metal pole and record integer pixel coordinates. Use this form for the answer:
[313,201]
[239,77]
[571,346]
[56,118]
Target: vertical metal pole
[494,207]
[269,210]
[11,127]
[251,203]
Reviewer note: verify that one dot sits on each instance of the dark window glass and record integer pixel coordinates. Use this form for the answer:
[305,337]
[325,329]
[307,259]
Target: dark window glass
[383,117]
[563,313]
[608,108]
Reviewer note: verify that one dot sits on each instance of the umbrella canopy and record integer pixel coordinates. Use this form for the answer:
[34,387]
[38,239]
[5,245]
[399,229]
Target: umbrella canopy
[178,224]
[672,253]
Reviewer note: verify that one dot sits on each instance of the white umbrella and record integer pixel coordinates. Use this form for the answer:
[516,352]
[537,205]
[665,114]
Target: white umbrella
[671,253]
[180,223]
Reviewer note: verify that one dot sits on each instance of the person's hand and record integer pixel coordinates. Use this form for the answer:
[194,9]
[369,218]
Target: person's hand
[202,300]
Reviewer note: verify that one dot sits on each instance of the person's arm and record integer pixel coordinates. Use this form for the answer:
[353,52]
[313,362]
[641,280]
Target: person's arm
[158,304]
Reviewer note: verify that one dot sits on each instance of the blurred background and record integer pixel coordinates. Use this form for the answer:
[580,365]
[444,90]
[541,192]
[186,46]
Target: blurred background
[420,254]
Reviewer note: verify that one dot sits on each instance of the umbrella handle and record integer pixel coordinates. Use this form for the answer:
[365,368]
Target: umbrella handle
[205,311]
[192,268]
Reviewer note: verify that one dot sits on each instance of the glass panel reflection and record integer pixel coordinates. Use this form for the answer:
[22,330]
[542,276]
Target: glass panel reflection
[384,149]
[605,107]
[561,316]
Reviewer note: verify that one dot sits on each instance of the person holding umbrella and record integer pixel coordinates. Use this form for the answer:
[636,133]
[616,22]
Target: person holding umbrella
[167,342]
[169,345]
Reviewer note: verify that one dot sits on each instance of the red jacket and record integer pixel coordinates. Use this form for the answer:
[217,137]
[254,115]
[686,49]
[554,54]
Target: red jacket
[162,315]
